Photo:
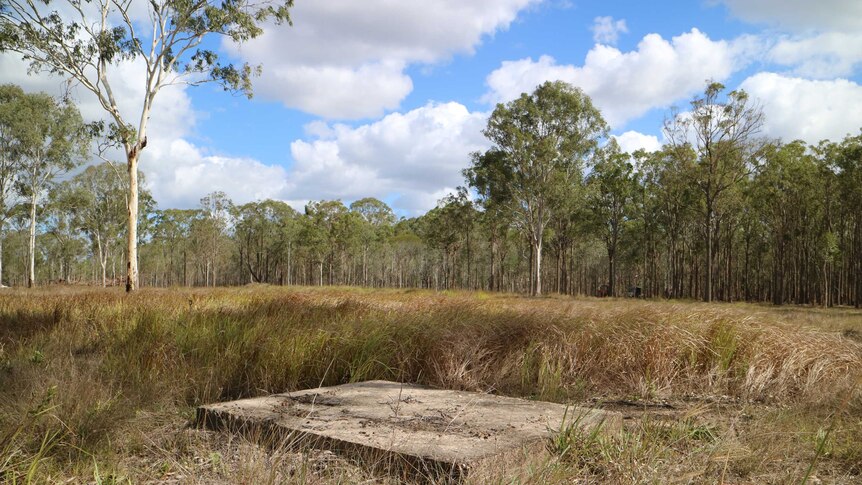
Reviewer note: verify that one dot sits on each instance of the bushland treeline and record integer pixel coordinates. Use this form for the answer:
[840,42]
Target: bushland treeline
[719,212]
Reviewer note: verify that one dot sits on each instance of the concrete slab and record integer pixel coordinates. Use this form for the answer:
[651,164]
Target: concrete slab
[424,431]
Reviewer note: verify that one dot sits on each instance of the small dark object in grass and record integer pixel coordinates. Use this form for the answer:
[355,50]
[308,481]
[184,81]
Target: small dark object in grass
[854,334]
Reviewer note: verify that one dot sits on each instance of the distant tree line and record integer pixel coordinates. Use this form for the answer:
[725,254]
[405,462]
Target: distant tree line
[554,206]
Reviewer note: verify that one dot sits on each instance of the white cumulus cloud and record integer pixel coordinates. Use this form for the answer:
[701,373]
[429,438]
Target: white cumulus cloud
[411,157]
[345,59]
[822,56]
[819,40]
[810,110]
[625,85]
[179,174]
[631,141]
[337,91]
[801,15]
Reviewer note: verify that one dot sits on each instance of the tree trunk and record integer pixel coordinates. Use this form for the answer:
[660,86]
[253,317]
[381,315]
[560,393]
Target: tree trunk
[612,271]
[559,269]
[825,298]
[747,265]
[707,297]
[778,276]
[365,266]
[103,261]
[538,267]
[492,281]
[288,262]
[31,273]
[857,300]
[729,283]
[132,240]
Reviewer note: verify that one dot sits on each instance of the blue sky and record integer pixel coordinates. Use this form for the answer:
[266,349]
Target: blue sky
[387,98]
[562,29]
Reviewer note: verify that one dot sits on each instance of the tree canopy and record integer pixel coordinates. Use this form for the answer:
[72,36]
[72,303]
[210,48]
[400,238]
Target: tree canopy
[86,40]
[543,141]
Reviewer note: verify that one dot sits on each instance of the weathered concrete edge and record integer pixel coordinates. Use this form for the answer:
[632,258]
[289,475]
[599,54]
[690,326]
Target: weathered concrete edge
[267,432]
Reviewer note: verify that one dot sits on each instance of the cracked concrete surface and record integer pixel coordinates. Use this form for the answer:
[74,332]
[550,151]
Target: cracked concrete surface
[431,431]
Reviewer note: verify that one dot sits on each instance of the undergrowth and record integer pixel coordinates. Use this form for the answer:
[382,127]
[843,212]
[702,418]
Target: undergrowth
[83,373]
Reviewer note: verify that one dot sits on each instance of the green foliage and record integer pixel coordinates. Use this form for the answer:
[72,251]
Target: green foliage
[541,142]
[723,134]
[613,192]
[330,231]
[571,441]
[38,357]
[724,345]
[49,138]
[54,42]
[45,139]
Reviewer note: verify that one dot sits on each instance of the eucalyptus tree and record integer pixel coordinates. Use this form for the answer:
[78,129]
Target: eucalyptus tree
[170,236]
[265,234]
[447,228]
[409,252]
[51,139]
[88,40]
[95,197]
[379,221]
[314,237]
[723,134]
[330,230]
[830,251]
[489,177]
[345,229]
[63,246]
[10,162]
[670,202]
[849,163]
[570,224]
[614,186]
[773,192]
[288,238]
[546,138]
[213,231]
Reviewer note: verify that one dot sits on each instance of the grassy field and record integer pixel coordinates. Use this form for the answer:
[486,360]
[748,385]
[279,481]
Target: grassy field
[97,386]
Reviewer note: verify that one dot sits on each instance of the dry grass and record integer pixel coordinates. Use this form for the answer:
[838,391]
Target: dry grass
[99,386]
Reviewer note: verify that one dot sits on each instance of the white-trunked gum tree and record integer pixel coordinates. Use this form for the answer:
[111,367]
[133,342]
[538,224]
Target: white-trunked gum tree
[85,40]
